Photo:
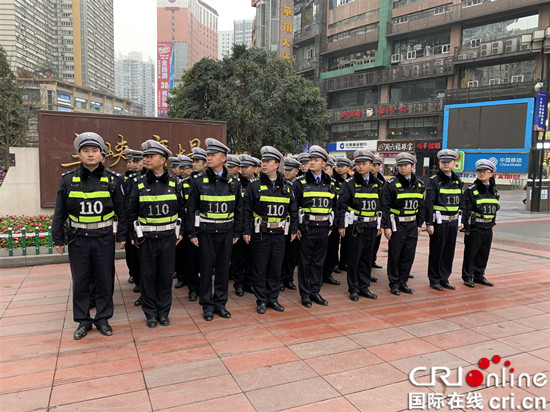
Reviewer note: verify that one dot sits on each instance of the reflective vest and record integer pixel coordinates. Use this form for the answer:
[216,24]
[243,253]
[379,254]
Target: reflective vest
[158,209]
[448,198]
[90,207]
[408,199]
[217,206]
[272,206]
[186,188]
[366,200]
[486,204]
[317,200]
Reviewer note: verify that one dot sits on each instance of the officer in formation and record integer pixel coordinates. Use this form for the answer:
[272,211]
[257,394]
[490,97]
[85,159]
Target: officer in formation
[174,165]
[480,210]
[316,196]
[331,259]
[343,166]
[89,198]
[186,166]
[213,224]
[184,173]
[292,250]
[359,221]
[402,219]
[444,209]
[303,158]
[377,162]
[156,210]
[233,165]
[270,213]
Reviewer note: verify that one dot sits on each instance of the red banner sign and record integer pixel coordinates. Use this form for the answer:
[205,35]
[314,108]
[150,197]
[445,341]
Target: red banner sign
[164,54]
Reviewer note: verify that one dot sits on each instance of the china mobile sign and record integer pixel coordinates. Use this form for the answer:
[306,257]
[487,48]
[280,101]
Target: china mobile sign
[164,57]
[507,378]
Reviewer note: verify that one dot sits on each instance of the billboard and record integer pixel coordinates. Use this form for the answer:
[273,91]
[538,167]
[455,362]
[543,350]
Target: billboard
[164,59]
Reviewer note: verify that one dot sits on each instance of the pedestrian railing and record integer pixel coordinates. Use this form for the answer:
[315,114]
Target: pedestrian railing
[24,235]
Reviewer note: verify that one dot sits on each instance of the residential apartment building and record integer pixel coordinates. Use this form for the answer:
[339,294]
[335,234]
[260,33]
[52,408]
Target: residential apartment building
[72,40]
[135,81]
[273,26]
[387,68]
[225,43]
[242,30]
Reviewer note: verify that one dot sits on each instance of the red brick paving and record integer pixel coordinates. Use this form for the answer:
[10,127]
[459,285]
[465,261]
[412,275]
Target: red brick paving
[343,357]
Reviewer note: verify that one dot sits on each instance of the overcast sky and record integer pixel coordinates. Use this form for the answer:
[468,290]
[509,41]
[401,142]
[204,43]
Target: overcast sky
[136,22]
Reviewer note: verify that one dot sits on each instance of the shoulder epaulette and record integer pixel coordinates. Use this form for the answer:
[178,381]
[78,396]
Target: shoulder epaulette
[69,172]
[349,179]
[198,175]
[433,177]
[255,179]
[186,179]
[112,172]
[472,186]
[393,180]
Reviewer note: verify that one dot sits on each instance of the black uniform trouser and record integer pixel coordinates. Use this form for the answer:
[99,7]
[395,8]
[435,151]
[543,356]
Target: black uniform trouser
[313,249]
[290,260]
[477,246]
[376,248]
[191,266]
[442,252]
[241,265]
[87,256]
[401,250]
[331,259]
[157,257]
[268,250]
[180,259]
[132,261]
[343,260]
[360,248]
[214,253]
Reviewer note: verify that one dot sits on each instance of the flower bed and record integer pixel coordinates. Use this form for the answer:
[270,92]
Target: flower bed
[30,223]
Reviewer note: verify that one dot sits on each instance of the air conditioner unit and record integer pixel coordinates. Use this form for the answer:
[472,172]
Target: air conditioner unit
[441,69]
[511,45]
[475,42]
[492,82]
[473,54]
[411,55]
[525,47]
[485,49]
[463,56]
[497,47]
[395,58]
[445,48]
[416,70]
[538,35]
[517,79]
[439,63]
[473,83]
[425,69]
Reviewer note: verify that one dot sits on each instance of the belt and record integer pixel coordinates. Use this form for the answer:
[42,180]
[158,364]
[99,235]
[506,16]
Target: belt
[318,218]
[161,228]
[481,220]
[365,219]
[98,225]
[403,219]
[273,225]
[205,220]
[448,218]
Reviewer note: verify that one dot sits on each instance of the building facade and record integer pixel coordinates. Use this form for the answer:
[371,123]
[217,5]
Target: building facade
[135,81]
[388,68]
[225,43]
[72,40]
[273,26]
[242,30]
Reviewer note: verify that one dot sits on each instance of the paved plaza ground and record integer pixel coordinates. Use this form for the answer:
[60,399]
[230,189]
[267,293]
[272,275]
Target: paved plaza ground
[344,357]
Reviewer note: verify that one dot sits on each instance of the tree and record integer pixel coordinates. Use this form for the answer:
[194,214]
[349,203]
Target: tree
[12,117]
[259,95]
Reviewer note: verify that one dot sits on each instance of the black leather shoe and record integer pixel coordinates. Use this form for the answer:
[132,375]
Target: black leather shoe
[373,279]
[223,313]
[469,283]
[208,316]
[164,321]
[249,289]
[105,330]
[331,281]
[277,307]
[152,323]
[447,286]
[290,285]
[281,287]
[318,299]
[354,297]
[484,282]
[179,284]
[406,289]
[131,279]
[261,308]
[343,267]
[336,269]
[411,277]
[239,292]
[395,292]
[137,302]
[136,289]
[81,332]
[376,266]
[192,296]
[306,303]
[437,286]
[368,294]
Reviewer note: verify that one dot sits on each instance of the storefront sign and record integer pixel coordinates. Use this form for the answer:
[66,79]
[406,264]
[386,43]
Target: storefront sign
[459,163]
[352,145]
[396,146]
[63,98]
[393,110]
[428,145]
[505,162]
[164,55]
[541,106]
[287,33]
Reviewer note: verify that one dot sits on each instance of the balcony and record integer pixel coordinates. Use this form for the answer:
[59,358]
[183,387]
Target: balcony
[472,9]
[307,64]
[427,107]
[306,34]
[352,41]
[393,74]
[490,50]
[495,92]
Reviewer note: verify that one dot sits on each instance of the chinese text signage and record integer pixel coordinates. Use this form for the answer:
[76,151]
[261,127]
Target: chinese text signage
[396,146]
[164,55]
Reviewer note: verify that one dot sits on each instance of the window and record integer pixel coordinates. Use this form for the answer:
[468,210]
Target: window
[504,73]
[353,98]
[473,36]
[416,90]
[414,128]
[354,131]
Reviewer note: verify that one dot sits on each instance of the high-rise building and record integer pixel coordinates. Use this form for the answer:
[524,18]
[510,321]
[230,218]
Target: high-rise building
[135,81]
[187,31]
[225,43]
[243,31]
[273,26]
[72,40]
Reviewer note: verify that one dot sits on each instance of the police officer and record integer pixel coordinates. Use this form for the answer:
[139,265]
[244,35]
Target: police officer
[443,201]
[270,211]
[376,172]
[214,224]
[358,221]
[402,219]
[292,251]
[343,166]
[233,165]
[303,158]
[315,193]
[186,166]
[331,260]
[199,160]
[174,165]
[89,197]
[257,165]
[480,210]
[156,210]
[185,170]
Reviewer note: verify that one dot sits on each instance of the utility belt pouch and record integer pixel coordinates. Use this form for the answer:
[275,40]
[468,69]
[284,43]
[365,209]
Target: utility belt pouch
[393,223]
[379,220]
[115,224]
[438,217]
[197,218]
[287,225]
[178,227]
[137,228]
[257,224]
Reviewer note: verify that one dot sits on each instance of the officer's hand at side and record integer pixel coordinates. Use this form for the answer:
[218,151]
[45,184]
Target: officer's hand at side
[120,245]
[299,234]
[342,232]
[235,240]
[246,238]
[379,232]
[460,227]
[195,241]
[59,249]
[420,230]
[292,237]
[329,232]
[180,237]
[430,229]
[387,233]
